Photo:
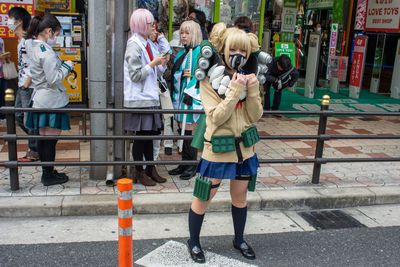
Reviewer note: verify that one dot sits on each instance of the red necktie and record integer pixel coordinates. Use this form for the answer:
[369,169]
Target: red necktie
[148,52]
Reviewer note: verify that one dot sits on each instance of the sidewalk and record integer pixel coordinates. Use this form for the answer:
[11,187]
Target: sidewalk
[279,186]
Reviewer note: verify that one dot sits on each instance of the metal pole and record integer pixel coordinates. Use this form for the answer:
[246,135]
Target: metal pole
[319,149]
[261,30]
[97,83]
[12,145]
[120,24]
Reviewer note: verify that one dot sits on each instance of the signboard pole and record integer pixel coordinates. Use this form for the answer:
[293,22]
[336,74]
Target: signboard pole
[312,65]
[357,67]
[395,85]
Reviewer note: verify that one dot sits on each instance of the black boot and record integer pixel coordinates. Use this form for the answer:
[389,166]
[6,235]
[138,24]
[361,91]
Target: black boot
[188,153]
[178,170]
[47,154]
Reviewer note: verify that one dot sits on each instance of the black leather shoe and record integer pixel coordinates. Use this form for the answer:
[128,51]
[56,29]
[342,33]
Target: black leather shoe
[188,173]
[177,171]
[196,253]
[246,250]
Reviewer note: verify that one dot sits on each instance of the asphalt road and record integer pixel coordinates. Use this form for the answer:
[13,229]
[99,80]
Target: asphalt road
[378,246]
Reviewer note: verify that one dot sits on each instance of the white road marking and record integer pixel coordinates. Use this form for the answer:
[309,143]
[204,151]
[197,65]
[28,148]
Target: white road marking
[175,254]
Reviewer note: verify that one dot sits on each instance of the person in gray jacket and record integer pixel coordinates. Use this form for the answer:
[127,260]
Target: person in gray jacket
[142,65]
[47,72]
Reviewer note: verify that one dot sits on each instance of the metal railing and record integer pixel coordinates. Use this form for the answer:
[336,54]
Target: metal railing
[11,138]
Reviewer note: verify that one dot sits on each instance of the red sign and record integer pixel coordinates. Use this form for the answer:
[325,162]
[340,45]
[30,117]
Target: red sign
[383,16]
[5,6]
[360,46]
[361,15]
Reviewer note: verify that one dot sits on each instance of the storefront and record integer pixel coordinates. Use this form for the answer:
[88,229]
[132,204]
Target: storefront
[379,22]
[70,43]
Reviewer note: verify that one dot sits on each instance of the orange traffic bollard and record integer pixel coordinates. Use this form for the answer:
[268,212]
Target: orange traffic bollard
[125,246]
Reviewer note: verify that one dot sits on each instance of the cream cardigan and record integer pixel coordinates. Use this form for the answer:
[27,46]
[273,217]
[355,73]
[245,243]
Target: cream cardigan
[224,118]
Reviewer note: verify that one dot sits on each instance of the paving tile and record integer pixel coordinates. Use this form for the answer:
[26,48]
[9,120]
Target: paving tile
[348,150]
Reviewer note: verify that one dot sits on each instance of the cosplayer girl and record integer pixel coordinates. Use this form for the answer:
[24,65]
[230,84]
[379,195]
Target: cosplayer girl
[48,72]
[185,92]
[230,111]
[143,63]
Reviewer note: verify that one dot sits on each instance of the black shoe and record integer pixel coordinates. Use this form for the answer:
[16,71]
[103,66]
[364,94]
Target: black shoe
[52,179]
[168,151]
[246,250]
[188,173]
[196,253]
[60,174]
[177,171]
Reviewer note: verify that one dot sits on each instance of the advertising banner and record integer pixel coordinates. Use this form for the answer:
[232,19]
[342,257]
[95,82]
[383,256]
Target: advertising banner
[55,5]
[361,15]
[288,19]
[73,83]
[383,15]
[357,68]
[286,49]
[316,4]
[332,45]
[5,6]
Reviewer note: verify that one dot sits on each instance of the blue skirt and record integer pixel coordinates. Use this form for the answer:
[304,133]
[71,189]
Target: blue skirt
[58,120]
[228,170]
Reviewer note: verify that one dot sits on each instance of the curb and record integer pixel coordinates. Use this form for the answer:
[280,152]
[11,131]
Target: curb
[297,199]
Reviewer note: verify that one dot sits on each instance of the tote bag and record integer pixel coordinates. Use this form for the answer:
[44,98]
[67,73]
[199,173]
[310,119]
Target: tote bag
[9,71]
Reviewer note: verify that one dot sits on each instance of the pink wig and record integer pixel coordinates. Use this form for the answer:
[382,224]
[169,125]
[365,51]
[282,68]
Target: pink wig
[141,21]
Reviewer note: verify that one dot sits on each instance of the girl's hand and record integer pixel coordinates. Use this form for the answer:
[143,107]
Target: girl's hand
[251,79]
[239,78]
[158,60]
[186,73]
[71,63]
[165,60]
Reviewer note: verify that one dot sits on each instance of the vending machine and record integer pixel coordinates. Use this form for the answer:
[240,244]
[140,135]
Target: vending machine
[71,45]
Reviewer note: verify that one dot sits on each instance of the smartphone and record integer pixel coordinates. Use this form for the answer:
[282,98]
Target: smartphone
[166,52]
[5,54]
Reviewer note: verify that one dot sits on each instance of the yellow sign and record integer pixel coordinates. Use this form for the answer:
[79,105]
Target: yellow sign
[73,83]
[73,54]
[54,5]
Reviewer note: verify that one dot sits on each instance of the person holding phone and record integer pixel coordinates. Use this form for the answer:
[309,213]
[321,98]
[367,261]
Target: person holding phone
[48,72]
[142,65]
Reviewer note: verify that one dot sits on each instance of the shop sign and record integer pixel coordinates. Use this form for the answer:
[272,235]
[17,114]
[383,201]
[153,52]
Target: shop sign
[332,45]
[383,15]
[338,67]
[357,67]
[288,19]
[5,6]
[315,4]
[290,3]
[361,14]
[286,49]
[55,5]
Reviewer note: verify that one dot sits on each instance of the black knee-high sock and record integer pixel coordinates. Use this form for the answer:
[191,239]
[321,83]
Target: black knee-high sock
[47,153]
[137,153]
[195,222]
[148,150]
[239,216]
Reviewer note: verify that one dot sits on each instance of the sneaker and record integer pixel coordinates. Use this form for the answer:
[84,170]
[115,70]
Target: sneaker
[30,156]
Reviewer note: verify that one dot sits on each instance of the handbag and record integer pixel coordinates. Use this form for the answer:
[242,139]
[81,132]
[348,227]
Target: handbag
[9,70]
